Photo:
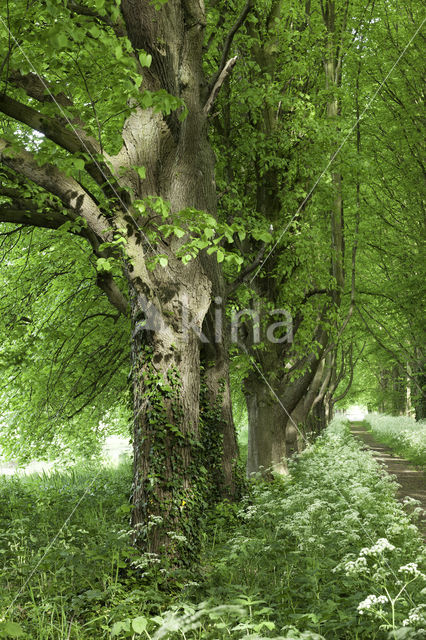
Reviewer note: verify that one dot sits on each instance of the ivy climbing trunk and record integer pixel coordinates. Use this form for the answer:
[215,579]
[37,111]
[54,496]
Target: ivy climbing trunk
[168,489]
[169,304]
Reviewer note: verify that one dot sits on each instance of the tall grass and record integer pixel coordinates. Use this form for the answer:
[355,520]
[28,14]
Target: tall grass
[406,436]
[322,553]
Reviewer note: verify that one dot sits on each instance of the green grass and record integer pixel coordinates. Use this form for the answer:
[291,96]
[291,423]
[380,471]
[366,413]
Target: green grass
[294,560]
[404,435]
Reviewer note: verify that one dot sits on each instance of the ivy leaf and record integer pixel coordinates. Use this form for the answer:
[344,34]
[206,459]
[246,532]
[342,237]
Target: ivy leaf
[163,260]
[145,59]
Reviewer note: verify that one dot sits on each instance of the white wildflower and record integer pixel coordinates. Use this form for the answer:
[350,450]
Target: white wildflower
[371,601]
[411,569]
[381,545]
[415,616]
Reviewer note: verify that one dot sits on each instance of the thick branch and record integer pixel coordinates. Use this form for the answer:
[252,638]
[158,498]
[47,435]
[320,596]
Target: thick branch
[38,88]
[108,285]
[64,187]
[72,141]
[14,215]
[118,28]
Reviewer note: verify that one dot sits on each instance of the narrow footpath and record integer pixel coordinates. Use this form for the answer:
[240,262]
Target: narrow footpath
[412,481]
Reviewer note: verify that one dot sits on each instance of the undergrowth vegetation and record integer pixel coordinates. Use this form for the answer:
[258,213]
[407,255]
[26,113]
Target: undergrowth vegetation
[406,436]
[326,552]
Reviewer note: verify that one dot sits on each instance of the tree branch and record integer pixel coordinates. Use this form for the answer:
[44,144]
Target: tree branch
[64,187]
[26,217]
[26,213]
[75,142]
[228,41]
[38,88]
[106,282]
[247,271]
[118,28]
[218,84]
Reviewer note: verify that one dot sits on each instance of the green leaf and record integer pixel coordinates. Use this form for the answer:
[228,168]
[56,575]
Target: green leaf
[145,59]
[141,171]
[102,264]
[118,627]
[265,236]
[209,232]
[220,255]
[139,624]
[78,164]
[179,233]
[11,630]
[163,260]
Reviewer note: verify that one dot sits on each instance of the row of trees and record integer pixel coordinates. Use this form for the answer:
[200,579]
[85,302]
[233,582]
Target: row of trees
[165,165]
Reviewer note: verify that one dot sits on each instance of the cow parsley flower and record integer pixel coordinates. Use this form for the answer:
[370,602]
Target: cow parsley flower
[371,601]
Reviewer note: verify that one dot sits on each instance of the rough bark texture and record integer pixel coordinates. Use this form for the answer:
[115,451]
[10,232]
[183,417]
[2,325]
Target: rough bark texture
[180,168]
[267,445]
[168,305]
[166,388]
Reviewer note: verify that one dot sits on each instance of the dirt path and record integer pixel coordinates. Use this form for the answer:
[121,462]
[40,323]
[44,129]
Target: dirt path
[412,481]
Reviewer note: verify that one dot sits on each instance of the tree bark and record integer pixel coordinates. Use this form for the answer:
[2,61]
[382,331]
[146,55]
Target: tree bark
[168,491]
[168,304]
[267,447]
[173,453]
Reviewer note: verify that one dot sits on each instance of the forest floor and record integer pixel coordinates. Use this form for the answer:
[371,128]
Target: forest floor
[412,481]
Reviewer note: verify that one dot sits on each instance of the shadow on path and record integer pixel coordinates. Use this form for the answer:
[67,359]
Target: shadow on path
[412,481]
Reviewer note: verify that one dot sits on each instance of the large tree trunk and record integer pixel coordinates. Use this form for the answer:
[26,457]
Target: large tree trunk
[168,457]
[274,433]
[171,455]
